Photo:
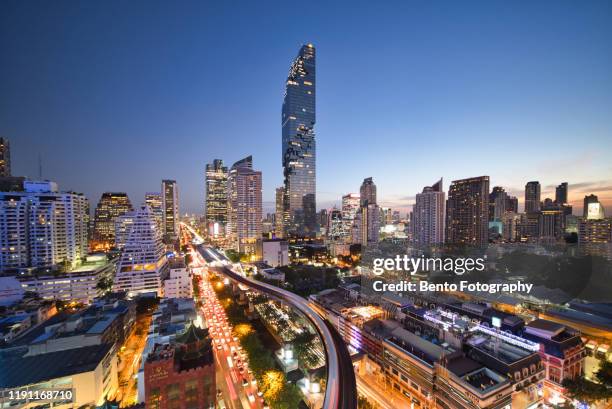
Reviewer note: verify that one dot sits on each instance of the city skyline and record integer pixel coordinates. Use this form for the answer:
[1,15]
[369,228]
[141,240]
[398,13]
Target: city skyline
[460,111]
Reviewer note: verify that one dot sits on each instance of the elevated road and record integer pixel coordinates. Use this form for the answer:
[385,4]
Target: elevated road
[341,390]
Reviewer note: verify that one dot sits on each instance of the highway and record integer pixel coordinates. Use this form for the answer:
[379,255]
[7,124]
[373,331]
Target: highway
[341,390]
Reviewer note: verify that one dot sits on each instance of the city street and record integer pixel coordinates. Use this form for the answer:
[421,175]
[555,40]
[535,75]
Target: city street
[129,360]
[235,382]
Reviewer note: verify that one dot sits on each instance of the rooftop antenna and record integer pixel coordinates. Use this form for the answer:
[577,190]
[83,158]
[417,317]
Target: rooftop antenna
[39,167]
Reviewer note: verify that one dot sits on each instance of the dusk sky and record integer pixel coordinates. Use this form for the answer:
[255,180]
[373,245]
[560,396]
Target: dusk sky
[118,95]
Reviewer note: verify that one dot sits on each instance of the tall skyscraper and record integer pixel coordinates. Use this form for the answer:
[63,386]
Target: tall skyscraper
[155,202]
[5,158]
[335,229]
[110,206]
[171,210]
[498,200]
[123,227]
[245,206]
[561,193]
[587,201]
[279,229]
[367,192]
[532,197]
[216,197]
[511,204]
[350,207]
[42,227]
[467,212]
[428,216]
[143,264]
[298,145]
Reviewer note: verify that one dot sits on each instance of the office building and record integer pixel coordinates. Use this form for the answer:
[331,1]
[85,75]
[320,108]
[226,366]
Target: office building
[170,206]
[587,201]
[561,193]
[511,204]
[5,158]
[181,374]
[367,192]
[595,210]
[498,199]
[155,202]
[244,206]
[299,146]
[216,197]
[428,216]
[42,227]
[532,197]
[123,227]
[350,208]
[467,212]
[335,225]
[143,264]
[110,206]
[551,223]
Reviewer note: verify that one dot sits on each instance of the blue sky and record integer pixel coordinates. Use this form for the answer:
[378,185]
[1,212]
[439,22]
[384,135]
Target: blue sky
[119,95]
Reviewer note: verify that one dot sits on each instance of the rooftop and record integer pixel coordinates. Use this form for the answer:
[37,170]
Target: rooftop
[20,371]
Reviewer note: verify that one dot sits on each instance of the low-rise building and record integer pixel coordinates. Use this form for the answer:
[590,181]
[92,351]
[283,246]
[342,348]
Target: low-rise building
[275,252]
[179,283]
[562,351]
[89,372]
[181,374]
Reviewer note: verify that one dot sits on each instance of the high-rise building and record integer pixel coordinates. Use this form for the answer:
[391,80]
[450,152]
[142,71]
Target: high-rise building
[143,264]
[123,227]
[532,197]
[5,158]
[595,236]
[551,223]
[561,193]
[350,208]
[171,210]
[155,202]
[110,206]
[245,206]
[335,230]
[216,197]
[279,211]
[367,192]
[467,211]
[511,204]
[42,227]
[497,203]
[588,200]
[181,375]
[298,145]
[428,216]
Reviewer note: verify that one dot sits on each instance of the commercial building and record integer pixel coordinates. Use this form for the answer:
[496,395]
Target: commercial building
[109,208]
[563,354]
[532,197]
[170,206]
[181,374]
[595,236]
[350,208]
[90,372]
[467,212]
[123,227]
[216,197]
[299,146]
[143,264]
[42,227]
[245,206]
[561,193]
[156,203]
[279,229]
[587,201]
[428,216]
